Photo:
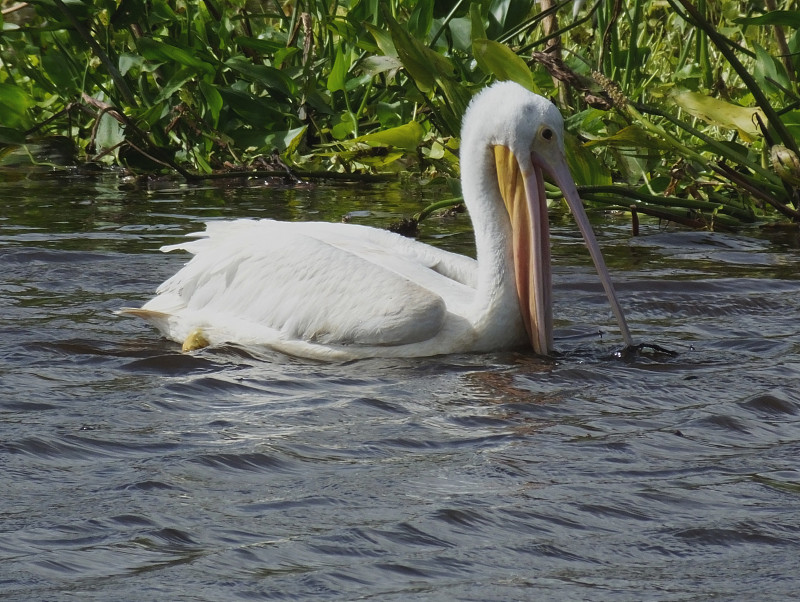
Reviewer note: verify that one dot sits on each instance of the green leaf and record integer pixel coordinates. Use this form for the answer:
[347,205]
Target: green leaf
[720,113]
[374,65]
[786,18]
[478,28]
[423,65]
[286,141]
[585,167]
[109,133]
[213,100]
[272,79]
[60,71]
[337,78]
[383,39]
[347,126]
[14,103]
[255,110]
[265,47]
[769,71]
[499,60]
[128,61]
[406,137]
[631,136]
[154,50]
[421,19]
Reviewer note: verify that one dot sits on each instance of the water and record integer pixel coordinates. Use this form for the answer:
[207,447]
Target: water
[132,471]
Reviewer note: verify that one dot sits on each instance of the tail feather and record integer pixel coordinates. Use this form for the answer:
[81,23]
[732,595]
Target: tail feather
[159,319]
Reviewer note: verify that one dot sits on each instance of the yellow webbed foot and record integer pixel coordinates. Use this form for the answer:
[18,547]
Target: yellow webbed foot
[195,340]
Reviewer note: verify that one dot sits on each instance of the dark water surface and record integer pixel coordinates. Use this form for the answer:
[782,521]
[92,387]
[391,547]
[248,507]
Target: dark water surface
[133,471]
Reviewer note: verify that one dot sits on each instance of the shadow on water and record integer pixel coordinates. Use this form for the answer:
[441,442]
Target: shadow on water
[134,471]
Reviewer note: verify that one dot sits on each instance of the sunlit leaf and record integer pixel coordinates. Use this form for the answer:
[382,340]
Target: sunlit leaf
[478,30]
[499,60]
[720,113]
[631,136]
[786,18]
[406,137]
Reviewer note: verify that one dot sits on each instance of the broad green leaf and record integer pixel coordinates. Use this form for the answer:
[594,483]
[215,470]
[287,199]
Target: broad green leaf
[461,33]
[109,133]
[257,111]
[128,61]
[284,141]
[155,50]
[424,65]
[383,39]
[769,71]
[787,18]
[406,137]
[269,77]
[499,60]
[14,103]
[478,28]
[456,98]
[585,167]
[374,65]
[791,120]
[337,78]
[631,136]
[61,72]
[720,113]
[346,126]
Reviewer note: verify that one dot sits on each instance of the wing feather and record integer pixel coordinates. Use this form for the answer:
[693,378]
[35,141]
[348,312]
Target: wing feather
[284,278]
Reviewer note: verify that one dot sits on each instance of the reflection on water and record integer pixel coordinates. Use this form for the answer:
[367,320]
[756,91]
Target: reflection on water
[132,471]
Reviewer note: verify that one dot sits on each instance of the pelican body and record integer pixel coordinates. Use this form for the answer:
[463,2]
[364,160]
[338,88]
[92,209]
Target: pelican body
[345,291]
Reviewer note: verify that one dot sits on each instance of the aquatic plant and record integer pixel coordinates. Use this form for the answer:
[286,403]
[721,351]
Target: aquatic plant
[683,109]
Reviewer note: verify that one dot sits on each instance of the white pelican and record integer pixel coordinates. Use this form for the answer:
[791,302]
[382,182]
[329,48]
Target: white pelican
[344,291]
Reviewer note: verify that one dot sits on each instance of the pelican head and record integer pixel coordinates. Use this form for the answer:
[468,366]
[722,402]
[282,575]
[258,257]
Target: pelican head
[518,136]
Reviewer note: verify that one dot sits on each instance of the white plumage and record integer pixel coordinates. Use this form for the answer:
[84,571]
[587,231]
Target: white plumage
[342,291]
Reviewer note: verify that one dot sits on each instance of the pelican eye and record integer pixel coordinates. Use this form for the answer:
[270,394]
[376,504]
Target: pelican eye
[547,133]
